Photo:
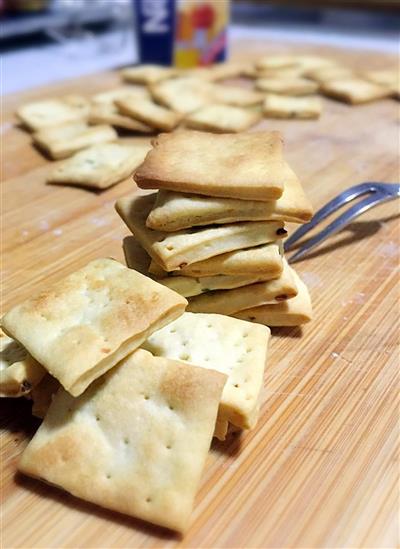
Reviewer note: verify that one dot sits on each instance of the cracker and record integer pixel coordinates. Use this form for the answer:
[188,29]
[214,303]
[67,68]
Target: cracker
[281,106]
[147,74]
[384,77]
[325,74]
[100,166]
[354,90]
[220,343]
[200,73]
[222,119]
[293,312]
[63,141]
[309,62]
[249,166]
[108,113]
[176,211]
[182,95]
[235,96]
[305,62]
[53,112]
[42,395]
[223,71]
[83,325]
[227,302]
[276,62]
[108,97]
[136,258]
[287,86]
[284,72]
[135,442]
[149,112]
[176,250]
[189,287]
[265,261]
[19,372]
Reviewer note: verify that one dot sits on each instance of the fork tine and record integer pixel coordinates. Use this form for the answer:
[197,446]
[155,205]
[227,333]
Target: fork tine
[341,222]
[329,208]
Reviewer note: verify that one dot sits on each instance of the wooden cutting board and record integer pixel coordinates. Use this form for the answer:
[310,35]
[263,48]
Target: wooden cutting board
[320,469]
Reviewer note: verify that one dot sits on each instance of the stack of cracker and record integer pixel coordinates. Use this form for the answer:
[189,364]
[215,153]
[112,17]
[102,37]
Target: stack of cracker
[124,427]
[213,232]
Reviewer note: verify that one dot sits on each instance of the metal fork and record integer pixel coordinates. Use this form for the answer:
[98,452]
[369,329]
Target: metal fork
[378,193]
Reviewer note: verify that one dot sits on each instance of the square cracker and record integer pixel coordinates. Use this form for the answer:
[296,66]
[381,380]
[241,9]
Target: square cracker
[100,166]
[135,442]
[223,71]
[249,166]
[276,61]
[281,106]
[325,74]
[222,119]
[354,90]
[235,96]
[227,302]
[174,211]
[63,141]
[108,113]
[108,97]
[53,112]
[304,61]
[385,77]
[149,113]
[287,86]
[238,350]
[283,72]
[147,74]
[183,95]
[187,286]
[264,260]
[19,372]
[83,325]
[293,312]
[176,250]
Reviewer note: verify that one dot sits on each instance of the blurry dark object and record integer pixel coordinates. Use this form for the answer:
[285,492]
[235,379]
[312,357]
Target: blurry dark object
[183,33]
[350,4]
[155,23]
[26,6]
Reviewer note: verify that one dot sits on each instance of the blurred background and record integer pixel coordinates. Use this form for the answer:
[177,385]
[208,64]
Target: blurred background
[43,41]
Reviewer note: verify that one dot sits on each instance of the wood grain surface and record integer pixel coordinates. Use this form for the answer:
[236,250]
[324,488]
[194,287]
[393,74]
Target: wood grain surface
[321,468]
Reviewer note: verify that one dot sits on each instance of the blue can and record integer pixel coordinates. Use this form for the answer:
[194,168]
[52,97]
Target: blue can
[156,21]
